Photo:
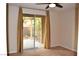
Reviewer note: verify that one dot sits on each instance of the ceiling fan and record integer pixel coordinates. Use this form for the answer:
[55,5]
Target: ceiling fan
[51,5]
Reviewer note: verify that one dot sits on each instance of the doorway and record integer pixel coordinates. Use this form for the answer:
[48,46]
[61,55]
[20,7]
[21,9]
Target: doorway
[32,32]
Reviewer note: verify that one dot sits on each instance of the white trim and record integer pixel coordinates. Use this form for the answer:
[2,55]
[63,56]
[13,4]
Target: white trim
[70,48]
[66,48]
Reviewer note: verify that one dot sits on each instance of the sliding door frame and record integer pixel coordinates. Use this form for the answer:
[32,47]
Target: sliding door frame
[31,15]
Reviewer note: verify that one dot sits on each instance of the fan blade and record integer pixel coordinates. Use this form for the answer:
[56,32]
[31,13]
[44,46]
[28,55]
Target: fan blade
[47,7]
[42,3]
[58,5]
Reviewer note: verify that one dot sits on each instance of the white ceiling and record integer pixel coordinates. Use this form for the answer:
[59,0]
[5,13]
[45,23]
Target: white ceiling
[35,6]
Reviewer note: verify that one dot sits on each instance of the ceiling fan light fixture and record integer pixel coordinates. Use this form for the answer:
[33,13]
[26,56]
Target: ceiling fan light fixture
[52,5]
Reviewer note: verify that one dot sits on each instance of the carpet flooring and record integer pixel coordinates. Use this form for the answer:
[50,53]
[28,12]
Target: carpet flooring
[56,51]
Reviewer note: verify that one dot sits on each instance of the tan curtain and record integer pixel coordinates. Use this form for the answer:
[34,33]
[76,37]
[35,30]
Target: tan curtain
[20,31]
[46,30]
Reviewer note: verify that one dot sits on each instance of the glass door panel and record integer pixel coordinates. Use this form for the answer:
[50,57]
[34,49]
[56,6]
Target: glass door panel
[28,40]
[38,32]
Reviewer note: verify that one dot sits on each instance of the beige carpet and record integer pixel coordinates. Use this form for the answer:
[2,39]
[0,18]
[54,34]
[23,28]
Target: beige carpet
[56,51]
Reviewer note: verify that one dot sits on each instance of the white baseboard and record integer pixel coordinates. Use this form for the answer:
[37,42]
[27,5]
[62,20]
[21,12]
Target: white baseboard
[65,47]
[69,48]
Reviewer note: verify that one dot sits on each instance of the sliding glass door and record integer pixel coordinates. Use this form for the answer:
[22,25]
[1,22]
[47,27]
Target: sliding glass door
[32,32]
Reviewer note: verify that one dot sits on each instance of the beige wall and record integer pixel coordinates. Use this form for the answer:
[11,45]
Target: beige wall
[13,17]
[68,29]
[55,28]
[63,28]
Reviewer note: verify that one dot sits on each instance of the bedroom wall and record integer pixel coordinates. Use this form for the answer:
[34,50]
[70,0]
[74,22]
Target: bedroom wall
[55,26]
[13,18]
[68,28]
[63,28]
